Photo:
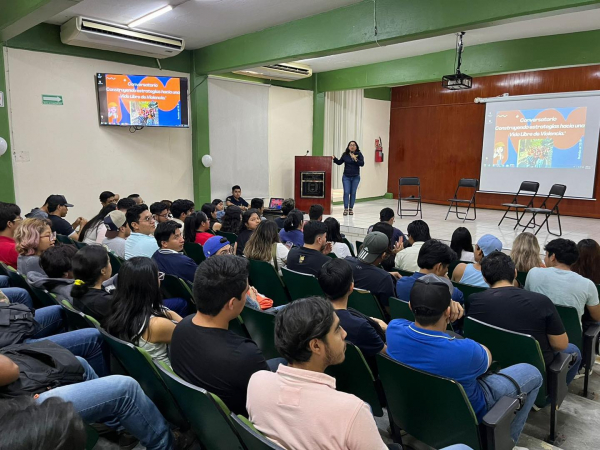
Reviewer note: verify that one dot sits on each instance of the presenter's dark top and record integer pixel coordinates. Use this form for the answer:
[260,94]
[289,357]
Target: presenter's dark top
[351,168]
[237,201]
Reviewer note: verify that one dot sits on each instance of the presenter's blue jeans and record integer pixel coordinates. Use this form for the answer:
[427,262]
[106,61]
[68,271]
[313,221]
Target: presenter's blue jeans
[350,188]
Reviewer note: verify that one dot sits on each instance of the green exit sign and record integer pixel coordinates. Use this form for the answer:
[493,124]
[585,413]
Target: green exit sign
[52,99]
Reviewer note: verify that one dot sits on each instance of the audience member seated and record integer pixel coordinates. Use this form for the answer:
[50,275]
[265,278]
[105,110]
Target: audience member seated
[312,255]
[235,199]
[389,263]
[287,205]
[217,245]
[13,294]
[137,313]
[250,221]
[292,234]
[516,309]
[160,212]
[471,273]
[180,209]
[558,282]
[136,198]
[125,203]
[367,333]
[168,203]
[39,213]
[462,244]
[196,228]
[91,267]
[219,208]
[10,216]
[366,271]
[168,257]
[434,257]
[108,198]
[94,231]
[232,220]
[33,237]
[58,207]
[116,400]
[117,232]
[141,242]
[425,346]
[334,236]
[316,213]
[525,252]
[211,212]
[264,245]
[259,205]
[56,262]
[418,234]
[298,407]
[387,215]
[204,340]
[588,263]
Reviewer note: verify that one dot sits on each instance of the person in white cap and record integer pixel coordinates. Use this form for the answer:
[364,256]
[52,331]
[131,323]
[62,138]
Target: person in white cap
[117,231]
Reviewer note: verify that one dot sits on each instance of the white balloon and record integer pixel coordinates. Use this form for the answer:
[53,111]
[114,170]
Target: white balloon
[3,146]
[207,160]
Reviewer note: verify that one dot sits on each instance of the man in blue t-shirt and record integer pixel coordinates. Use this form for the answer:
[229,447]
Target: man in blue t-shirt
[336,280]
[424,345]
[434,257]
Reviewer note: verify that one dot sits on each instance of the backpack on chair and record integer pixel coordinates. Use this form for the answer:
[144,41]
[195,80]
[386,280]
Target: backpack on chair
[16,324]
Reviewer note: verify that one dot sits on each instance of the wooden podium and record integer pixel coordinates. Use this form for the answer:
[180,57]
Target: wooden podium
[312,185]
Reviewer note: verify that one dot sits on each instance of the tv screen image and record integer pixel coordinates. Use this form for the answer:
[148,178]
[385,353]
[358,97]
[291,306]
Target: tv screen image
[142,100]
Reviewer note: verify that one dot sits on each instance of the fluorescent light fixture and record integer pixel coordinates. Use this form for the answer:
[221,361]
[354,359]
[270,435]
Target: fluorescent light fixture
[152,15]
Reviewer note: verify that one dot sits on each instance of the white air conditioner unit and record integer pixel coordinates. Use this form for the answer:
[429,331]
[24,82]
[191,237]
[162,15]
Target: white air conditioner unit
[281,72]
[92,33]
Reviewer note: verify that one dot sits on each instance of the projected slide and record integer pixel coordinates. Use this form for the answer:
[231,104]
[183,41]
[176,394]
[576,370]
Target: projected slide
[142,100]
[551,141]
[541,139]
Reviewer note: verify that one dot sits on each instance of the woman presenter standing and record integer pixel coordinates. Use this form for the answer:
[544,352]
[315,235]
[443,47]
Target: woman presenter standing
[353,160]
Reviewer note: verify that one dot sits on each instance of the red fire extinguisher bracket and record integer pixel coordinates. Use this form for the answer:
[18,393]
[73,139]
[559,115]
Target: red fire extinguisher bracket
[378,151]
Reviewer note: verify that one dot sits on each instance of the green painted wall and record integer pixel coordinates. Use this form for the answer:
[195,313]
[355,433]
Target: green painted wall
[200,139]
[384,93]
[7,185]
[479,60]
[352,28]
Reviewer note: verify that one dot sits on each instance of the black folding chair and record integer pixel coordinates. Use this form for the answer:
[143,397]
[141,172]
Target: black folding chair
[526,186]
[557,192]
[465,183]
[409,181]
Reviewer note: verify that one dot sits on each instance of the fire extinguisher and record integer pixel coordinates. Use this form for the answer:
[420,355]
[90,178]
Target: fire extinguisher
[378,150]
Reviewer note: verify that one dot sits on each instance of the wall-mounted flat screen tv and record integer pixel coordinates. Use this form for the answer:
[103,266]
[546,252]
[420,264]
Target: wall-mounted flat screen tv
[142,100]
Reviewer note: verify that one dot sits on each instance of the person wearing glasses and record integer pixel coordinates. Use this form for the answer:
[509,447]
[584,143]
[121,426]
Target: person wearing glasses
[32,237]
[141,242]
[10,216]
[160,211]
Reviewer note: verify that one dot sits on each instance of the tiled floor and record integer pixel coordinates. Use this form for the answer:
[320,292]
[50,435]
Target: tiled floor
[367,213]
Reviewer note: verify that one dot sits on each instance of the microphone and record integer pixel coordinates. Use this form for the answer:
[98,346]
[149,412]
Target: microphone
[307,152]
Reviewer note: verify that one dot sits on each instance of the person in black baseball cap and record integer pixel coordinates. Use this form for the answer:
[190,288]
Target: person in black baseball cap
[58,207]
[431,300]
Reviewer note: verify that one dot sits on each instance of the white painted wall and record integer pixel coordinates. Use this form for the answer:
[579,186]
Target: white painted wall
[63,150]
[376,123]
[290,135]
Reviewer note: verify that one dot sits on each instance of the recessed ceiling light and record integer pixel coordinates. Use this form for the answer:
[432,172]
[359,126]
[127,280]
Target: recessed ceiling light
[152,15]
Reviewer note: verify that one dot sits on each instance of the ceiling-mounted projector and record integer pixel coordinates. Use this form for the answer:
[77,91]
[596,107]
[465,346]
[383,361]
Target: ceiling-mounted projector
[458,80]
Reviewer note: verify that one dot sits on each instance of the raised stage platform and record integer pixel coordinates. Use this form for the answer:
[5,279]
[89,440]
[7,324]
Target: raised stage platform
[367,213]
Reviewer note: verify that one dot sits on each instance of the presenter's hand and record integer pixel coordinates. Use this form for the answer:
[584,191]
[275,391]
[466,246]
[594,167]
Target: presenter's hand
[354,157]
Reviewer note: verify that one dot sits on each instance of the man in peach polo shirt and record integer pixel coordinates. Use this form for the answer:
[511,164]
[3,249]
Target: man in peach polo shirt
[298,406]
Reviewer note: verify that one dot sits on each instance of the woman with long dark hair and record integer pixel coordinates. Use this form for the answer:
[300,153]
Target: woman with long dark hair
[588,263]
[196,228]
[91,267]
[211,212]
[137,314]
[334,236]
[94,231]
[250,221]
[264,245]
[353,160]
[292,234]
[232,220]
[462,244]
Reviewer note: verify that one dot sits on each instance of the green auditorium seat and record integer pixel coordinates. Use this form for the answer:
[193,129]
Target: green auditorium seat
[231,237]
[194,251]
[366,303]
[250,436]
[261,328]
[173,287]
[301,285]
[115,262]
[267,281]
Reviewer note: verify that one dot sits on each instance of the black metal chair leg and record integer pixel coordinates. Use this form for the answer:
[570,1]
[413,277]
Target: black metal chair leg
[467,213]
[545,222]
[449,208]
[553,422]
[420,206]
[505,213]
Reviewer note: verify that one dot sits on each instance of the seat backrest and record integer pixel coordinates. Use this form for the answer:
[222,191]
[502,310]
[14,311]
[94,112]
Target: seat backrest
[65,239]
[44,297]
[433,409]
[261,327]
[301,285]
[174,287]
[366,303]
[194,251]
[557,190]
[358,246]
[467,291]
[267,281]
[399,309]
[231,237]
[4,269]
[529,186]
[115,262]
[18,280]
[250,436]
[207,418]
[355,377]
[409,181]
[75,318]
[522,277]
[508,348]
[572,322]
[404,273]
[238,327]
[138,363]
[468,182]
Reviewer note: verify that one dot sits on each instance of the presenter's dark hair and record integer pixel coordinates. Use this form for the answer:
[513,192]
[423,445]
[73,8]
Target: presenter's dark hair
[348,147]
[461,240]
